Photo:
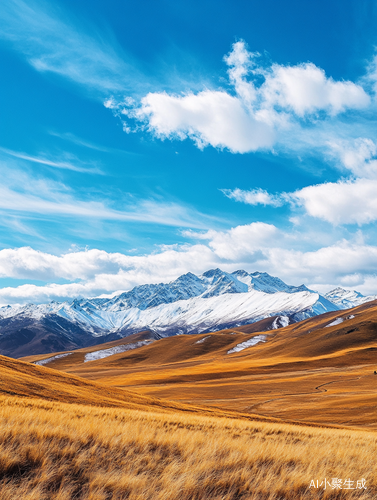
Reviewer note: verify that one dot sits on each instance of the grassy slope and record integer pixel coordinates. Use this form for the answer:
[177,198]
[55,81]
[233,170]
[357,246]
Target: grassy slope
[135,447]
[25,380]
[305,372]
[58,451]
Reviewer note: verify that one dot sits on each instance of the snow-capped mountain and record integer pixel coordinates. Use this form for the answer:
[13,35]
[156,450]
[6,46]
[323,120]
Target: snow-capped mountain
[346,299]
[190,304]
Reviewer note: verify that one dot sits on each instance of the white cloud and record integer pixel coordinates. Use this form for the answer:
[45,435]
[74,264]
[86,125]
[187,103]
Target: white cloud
[342,202]
[102,272]
[306,89]
[343,263]
[371,75]
[98,271]
[253,247]
[65,161]
[253,197]
[357,155]
[241,63]
[239,242]
[209,118]
[350,201]
[265,102]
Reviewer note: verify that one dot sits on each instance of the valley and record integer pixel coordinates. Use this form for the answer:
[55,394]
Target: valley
[247,412]
[319,371]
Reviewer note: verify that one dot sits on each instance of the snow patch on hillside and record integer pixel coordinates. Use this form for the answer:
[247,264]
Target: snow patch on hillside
[104,353]
[45,361]
[202,340]
[337,321]
[248,343]
[280,322]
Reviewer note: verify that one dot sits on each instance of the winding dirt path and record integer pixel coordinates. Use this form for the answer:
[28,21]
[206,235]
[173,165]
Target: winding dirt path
[317,391]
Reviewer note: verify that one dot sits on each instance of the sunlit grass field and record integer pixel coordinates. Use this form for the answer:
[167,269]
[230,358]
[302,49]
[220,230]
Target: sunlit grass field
[59,451]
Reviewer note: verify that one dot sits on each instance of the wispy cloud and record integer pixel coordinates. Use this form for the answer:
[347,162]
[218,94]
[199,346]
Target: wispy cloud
[67,136]
[253,197]
[69,161]
[17,226]
[22,194]
[74,139]
[52,42]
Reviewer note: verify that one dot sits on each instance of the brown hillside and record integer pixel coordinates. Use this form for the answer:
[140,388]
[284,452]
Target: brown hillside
[308,371]
[20,379]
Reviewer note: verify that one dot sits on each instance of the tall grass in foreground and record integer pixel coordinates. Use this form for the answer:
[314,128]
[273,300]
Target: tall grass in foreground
[57,451]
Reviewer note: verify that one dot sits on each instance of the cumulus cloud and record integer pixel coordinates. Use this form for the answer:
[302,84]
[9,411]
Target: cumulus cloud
[351,201]
[263,101]
[94,272]
[213,118]
[344,263]
[357,155]
[305,89]
[253,247]
[240,64]
[239,242]
[342,202]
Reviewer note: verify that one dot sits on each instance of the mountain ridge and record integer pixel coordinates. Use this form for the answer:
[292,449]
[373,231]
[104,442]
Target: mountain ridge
[346,299]
[190,304]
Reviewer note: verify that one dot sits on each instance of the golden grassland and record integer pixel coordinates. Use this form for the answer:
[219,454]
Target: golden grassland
[182,420]
[306,372]
[59,451]
[21,379]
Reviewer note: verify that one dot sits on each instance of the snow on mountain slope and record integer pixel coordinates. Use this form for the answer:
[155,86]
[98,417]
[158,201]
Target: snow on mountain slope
[280,322]
[190,304]
[345,299]
[194,315]
[266,283]
[199,314]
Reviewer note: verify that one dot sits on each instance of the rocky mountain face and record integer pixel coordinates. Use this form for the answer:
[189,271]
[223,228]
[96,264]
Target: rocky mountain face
[190,304]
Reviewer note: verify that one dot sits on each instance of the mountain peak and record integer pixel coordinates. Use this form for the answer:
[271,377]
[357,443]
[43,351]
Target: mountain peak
[346,299]
[239,272]
[213,272]
[190,304]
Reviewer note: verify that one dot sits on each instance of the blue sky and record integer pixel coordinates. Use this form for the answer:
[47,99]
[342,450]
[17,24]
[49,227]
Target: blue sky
[142,140]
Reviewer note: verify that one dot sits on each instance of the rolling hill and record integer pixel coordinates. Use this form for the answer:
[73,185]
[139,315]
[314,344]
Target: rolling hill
[320,370]
[213,415]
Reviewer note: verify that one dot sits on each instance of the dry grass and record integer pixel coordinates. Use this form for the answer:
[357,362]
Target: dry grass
[59,451]
[306,372]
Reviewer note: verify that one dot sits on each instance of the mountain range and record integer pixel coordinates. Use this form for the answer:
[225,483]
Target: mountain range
[188,305]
